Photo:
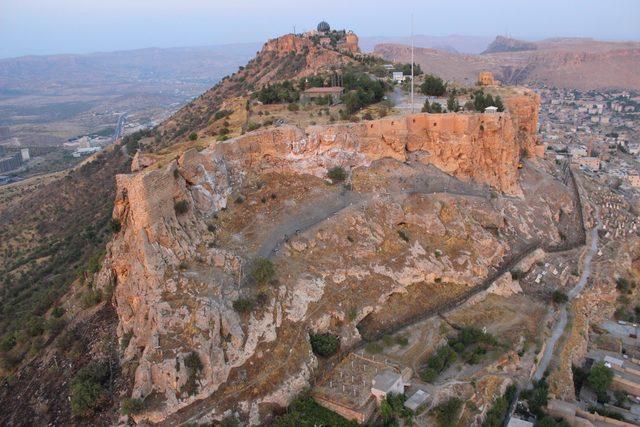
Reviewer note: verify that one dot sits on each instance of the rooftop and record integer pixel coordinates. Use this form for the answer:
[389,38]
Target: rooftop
[385,380]
[332,89]
[418,398]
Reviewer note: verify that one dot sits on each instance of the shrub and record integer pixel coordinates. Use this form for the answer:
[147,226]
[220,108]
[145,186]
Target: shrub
[192,361]
[91,298]
[517,274]
[433,108]
[115,225]
[263,271]
[125,340]
[404,235]
[132,406]
[8,342]
[181,207]
[293,107]
[337,174]
[87,388]
[176,173]
[373,347]
[253,126]
[35,326]
[222,114]
[623,285]
[243,305]
[57,311]
[447,413]
[559,297]
[193,136]
[324,345]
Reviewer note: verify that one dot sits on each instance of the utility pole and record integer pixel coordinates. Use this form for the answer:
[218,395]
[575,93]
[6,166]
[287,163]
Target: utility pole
[412,105]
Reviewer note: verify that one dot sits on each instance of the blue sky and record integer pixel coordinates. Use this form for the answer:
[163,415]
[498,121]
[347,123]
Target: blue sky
[79,26]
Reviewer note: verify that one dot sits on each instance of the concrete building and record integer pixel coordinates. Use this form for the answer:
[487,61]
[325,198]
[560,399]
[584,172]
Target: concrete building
[10,163]
[25,154]
[334,92]
[491,110]
[416,400]
[386,382]
[517,422]
[398,76]
[591,163]
[85,151]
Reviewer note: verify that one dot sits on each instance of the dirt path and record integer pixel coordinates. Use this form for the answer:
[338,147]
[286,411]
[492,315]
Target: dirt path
[560,326]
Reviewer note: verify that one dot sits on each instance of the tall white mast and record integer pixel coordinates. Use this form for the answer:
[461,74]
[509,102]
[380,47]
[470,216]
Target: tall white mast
[412,106]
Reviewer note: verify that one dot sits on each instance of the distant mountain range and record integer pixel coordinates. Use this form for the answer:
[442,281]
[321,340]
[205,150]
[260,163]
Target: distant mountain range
[451,43]
[574,63]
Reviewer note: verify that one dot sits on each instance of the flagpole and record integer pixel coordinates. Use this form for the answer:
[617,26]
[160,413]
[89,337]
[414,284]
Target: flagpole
[412,105]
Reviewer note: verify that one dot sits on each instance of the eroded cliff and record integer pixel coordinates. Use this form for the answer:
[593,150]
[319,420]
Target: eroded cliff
[339,253]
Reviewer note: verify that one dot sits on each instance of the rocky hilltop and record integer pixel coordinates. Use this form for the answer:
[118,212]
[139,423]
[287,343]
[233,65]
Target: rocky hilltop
[506,44]
[178,272]
[226,255]
[288,57]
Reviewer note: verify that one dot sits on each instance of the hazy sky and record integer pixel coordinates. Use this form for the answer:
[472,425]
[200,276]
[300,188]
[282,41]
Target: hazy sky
[77,26]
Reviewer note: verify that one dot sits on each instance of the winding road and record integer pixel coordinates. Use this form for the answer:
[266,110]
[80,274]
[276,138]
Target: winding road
[560,326]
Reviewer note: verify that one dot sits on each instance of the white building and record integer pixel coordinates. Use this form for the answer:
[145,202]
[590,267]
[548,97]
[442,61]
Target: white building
[84,151]
[491,110]
[398,76]
[25,154]
[385,383]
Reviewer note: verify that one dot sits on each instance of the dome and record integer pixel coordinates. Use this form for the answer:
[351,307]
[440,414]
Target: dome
[323,27]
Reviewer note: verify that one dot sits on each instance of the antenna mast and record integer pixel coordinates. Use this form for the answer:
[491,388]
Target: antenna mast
[412,105]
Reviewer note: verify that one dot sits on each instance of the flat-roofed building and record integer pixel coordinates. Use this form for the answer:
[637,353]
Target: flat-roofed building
[333,92]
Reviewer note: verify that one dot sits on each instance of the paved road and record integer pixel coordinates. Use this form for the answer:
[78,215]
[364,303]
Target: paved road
[562,322]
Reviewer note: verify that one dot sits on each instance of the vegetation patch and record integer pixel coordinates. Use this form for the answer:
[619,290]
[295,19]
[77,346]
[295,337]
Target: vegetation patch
[337,174]
[263,271]
[324,345]
[181,207]
[88,389]
[447,413]
[495,416]
[305,412]
[470,345]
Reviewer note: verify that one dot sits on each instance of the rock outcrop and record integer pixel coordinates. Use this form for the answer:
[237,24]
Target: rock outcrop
[182,256]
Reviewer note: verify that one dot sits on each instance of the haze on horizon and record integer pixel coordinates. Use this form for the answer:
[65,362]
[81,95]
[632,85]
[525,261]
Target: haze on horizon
[33,27]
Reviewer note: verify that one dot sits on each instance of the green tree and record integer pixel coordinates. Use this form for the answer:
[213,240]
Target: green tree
[433,86]
[559,297]
[324,345]
[452,103]
[193,136]
[498,103]
[600,379]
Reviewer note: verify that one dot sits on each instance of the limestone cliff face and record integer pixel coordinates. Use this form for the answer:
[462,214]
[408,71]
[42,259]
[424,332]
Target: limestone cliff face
[176,279]
[484,148]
